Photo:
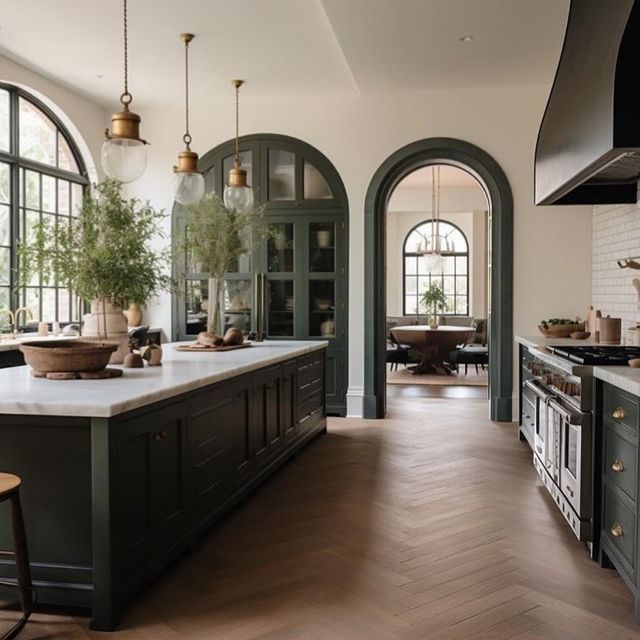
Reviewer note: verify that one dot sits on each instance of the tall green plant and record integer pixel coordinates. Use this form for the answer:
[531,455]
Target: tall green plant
[434,299]
[215,237]
[105,252]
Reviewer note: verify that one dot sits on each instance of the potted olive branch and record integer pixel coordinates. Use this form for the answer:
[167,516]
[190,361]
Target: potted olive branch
[104,256]
[215,237]
[435,300]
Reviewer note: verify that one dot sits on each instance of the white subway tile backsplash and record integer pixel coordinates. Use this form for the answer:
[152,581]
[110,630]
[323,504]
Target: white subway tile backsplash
[616,235]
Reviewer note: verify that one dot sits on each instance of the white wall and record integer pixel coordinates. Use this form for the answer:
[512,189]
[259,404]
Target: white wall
[616,235]
[552,269]
[85,119]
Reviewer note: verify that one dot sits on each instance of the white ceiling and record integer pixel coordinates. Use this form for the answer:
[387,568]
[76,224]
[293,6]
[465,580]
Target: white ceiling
[285,48]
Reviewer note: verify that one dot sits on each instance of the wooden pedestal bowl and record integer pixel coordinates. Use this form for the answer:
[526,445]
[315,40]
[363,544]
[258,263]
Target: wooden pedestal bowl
[67,356]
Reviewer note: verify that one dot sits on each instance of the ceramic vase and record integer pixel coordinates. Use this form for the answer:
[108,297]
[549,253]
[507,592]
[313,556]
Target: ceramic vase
[107,323]
[328,328]
[134,315]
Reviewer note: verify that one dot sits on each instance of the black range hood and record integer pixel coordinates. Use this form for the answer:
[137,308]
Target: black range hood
[588,149]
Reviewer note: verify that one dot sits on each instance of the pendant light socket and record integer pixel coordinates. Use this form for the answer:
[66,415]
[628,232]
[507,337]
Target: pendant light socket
[125,124]
[237,177]
[187,162]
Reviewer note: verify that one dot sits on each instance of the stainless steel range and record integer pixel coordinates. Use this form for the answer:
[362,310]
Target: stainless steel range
[556,417]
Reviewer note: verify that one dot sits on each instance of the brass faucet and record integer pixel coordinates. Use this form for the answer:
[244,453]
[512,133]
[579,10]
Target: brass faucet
[13,322]
[27,314]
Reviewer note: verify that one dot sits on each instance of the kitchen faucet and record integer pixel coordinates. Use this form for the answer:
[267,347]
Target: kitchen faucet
[13,321]
[27,314]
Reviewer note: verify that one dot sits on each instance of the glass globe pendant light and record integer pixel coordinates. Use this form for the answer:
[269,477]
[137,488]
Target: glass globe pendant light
[188,182]
[124,153]
[238,195]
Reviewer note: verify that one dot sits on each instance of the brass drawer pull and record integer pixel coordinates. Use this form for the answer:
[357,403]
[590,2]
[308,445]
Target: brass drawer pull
[616,530]
[618,466]
[159,435]
[618,414]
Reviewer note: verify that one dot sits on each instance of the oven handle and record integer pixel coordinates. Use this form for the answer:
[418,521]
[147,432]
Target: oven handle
[572,417]
[541,393]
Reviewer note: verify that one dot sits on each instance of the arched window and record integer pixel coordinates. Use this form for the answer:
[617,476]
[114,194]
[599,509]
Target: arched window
[454,276]
[42,175]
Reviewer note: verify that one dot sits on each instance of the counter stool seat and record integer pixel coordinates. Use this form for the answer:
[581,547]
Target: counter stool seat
[10,491]
[8,484]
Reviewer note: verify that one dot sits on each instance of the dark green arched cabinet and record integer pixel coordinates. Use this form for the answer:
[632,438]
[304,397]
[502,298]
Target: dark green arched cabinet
[293,285]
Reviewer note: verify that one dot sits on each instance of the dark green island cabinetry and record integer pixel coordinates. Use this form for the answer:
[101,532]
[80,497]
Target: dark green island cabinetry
[111,498]
[619,418]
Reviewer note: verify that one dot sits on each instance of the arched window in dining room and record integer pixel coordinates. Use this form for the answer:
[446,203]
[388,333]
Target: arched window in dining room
[418,274]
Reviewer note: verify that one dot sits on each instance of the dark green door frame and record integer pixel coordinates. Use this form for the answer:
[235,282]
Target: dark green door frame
[495,183]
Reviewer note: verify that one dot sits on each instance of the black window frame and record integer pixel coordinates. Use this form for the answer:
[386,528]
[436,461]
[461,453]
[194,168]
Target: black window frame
[432,277]
[17,204]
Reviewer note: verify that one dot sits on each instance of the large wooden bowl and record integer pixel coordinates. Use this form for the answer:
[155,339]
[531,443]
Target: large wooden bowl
[67,356]
[561,330]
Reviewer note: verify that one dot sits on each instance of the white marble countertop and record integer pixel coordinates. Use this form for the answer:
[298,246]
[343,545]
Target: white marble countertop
[14,344]
[539,341]
[21,393]
[625,378]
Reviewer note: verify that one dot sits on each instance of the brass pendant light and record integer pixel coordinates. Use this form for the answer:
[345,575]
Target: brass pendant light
[124,154]
[188,182]
[238,195]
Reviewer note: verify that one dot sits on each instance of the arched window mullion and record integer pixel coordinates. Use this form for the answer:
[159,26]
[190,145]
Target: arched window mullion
[38,190]
[416,277]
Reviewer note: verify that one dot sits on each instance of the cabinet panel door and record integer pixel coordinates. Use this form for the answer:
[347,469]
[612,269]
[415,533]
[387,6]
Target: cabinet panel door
[150,474]
[210,437]
[266,423]
[287,402]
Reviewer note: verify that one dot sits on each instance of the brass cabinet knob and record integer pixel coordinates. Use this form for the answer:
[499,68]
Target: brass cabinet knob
[618,466]
[616,530]
[159,435]
[619,413]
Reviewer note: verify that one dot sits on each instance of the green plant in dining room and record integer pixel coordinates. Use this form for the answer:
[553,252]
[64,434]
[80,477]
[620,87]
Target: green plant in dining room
[215,237]
[434,300]
[106,252]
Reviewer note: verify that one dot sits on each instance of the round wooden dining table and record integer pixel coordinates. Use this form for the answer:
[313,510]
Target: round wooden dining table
[433,344]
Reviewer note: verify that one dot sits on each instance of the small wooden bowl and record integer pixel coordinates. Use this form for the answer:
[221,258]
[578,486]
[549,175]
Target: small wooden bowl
[580,335]
[634,362]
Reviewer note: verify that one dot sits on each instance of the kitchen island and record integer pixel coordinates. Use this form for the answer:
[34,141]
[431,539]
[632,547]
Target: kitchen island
[122,475]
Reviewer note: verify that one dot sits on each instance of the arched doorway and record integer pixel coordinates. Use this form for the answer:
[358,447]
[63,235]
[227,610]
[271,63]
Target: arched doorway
[303,268]
[493,180]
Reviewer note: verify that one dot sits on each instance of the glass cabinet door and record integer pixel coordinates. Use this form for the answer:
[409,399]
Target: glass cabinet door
[281,249]
[322,308]
[322,250]
[238,298]
[280,305]
[196,305]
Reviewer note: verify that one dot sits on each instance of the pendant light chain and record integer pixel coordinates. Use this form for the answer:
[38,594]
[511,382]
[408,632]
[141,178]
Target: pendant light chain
[126,97]
[187,136]
[237,86]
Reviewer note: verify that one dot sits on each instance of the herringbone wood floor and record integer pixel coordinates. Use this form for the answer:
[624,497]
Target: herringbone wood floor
[430,524]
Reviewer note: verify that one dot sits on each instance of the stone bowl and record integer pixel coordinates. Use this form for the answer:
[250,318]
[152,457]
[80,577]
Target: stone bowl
[67,356]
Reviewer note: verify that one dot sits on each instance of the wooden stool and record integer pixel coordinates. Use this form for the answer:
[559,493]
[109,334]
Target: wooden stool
[10,490]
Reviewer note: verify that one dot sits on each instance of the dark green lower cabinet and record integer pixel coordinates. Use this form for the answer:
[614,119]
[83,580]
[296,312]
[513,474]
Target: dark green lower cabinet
[619,422]
[110,502]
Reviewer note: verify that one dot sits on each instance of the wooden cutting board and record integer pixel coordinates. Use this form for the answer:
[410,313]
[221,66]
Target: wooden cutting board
[195,346]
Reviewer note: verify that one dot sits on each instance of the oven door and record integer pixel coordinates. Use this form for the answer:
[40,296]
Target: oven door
[543,432]
[574,456]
